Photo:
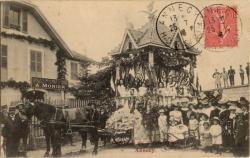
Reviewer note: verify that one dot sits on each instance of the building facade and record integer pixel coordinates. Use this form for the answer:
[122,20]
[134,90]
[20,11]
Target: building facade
[30,47]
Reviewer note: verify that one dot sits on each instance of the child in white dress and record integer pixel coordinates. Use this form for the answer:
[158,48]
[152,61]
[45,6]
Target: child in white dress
[216,132]
[205,137]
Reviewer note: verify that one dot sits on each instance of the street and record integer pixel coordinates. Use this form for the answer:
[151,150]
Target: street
[128,151]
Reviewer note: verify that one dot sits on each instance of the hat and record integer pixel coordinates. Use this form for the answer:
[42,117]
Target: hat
[206,122]
[4,107]
[184,100]
[190,104]
[174,106]
[203,114]
[223,101]
[216,118]
[239,111]
[19,104]
[12,109]
[202,96]
[243,101]
[161,111]
[232,107]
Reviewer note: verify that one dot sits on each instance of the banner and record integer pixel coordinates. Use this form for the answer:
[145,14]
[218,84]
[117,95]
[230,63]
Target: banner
[49,84]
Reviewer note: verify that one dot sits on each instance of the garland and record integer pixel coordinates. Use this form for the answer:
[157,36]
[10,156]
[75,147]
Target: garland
[61,66]
[44,42]
[22,86]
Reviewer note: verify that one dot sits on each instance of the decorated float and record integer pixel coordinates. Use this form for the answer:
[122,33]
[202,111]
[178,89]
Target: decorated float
[146,68]
[149,76]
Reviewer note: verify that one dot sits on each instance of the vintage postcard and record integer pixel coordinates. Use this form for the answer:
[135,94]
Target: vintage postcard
[124,78]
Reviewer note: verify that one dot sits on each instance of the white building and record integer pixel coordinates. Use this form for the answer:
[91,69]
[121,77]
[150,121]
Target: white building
[29,45]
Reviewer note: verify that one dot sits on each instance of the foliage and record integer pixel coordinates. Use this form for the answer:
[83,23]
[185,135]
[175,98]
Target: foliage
[30,39]
[61,66]
[22,86]
[96,85]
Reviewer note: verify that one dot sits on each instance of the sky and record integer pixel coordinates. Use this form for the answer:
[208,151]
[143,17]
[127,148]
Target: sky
[94,28]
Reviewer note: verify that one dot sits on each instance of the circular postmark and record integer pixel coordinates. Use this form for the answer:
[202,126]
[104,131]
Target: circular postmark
[222,27]
[179,25]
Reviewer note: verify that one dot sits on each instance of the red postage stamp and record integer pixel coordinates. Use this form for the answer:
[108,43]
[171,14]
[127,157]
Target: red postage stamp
[220,26]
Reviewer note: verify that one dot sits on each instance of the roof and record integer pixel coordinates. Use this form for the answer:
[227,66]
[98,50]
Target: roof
[79,57]
[45,23]
[147,35]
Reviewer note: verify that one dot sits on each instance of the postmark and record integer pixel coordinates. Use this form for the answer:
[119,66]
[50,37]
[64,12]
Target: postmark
[220,26]
[178,20]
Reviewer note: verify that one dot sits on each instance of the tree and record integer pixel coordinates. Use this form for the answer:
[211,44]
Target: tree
[96,86]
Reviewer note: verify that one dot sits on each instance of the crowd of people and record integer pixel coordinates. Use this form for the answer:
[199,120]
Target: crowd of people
[227,77]
[216,127]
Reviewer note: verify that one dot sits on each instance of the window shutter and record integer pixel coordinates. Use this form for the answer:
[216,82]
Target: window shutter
[6,21]
[25,21]
[4,56]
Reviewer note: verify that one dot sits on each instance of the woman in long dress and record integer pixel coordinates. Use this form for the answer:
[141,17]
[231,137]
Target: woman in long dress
[141,135]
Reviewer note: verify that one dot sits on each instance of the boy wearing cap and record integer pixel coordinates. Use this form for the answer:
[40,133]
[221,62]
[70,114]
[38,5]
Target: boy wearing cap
[162,123]
[216,132]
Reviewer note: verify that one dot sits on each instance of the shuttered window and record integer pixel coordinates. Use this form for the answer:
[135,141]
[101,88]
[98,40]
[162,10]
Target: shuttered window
[4,62]
[4,56]
[36,63]
[74,71]
[6,15]
[14,17]
[25,22]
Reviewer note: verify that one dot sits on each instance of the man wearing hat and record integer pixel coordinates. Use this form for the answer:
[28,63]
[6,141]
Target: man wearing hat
[224,117]
[244,105]
[10,134]
[162,123]
[216,111]
[231,124]
[241,147]
[23,123]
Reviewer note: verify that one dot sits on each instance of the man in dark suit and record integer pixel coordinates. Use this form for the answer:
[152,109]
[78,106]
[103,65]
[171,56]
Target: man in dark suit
[247,72]
[231,73]
[241,149]
[224,117]
[10,134]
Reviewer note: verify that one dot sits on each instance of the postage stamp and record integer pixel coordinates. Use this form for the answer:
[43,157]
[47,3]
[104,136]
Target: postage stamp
[221,28]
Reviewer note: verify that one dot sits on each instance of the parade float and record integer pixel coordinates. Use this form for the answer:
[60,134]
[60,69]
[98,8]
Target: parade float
[149,75]
[146,69]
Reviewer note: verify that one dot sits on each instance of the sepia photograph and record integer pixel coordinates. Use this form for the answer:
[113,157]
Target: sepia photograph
[124,78]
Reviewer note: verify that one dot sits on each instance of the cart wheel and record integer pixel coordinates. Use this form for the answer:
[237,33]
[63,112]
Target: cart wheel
[122,138]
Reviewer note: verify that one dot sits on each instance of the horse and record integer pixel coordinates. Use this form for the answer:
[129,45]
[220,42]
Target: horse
[54,124]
